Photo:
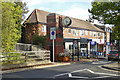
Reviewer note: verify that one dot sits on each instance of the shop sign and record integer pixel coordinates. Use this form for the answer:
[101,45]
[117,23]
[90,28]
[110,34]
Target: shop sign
[108,43]
[92,42]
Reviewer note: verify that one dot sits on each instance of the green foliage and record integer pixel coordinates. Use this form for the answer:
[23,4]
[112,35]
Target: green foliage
[63,54]
[12,58]
[12,16]
[39,40]
[106,13]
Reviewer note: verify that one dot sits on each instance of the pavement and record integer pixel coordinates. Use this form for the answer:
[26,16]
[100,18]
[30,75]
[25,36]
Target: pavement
[113,66]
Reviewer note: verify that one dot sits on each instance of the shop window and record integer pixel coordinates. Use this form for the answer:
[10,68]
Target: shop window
[44,28]
[69,31]
[70,47]
[83,45]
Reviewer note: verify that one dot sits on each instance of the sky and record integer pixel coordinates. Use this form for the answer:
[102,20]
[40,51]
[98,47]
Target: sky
[73,8]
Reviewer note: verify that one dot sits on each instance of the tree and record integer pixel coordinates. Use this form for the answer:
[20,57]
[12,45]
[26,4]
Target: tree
[12,16]
[106,13]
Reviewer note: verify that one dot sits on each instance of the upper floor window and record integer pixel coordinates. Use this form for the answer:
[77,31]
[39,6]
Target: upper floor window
[82,33]
[75,32]
[86,32]
[98,34]
[90,32]
[94,34]
[69,31]
[44,28]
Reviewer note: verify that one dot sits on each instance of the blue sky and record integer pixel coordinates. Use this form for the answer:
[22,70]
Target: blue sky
[73,8]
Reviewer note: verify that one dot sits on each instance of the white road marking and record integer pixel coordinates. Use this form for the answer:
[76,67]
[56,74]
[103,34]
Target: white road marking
[80,77]
[61,74]
[102,77]
[101,62]
[70,74]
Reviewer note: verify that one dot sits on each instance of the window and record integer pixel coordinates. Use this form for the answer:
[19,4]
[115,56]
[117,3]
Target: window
[69,31]
[86,32]
[90,32]
[75,32]
[98,34]
[70,47]
[82,33]
[94,34]
[44,28]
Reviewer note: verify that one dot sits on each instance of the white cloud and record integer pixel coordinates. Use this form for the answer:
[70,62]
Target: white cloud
[76,12]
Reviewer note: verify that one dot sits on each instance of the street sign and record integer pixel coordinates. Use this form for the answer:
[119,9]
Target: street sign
[53,33]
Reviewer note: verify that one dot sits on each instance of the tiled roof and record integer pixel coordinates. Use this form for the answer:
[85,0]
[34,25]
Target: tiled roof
[40,16]
[37,16]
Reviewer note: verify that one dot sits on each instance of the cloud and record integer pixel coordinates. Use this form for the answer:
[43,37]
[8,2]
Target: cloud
[76,12]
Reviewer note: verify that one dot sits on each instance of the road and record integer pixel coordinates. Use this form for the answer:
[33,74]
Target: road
[89,70]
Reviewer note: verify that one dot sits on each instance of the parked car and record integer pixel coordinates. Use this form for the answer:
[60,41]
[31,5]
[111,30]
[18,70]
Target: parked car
[113,55]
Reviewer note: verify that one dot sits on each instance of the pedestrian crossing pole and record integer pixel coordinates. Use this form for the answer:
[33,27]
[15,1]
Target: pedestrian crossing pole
[53,50]
[53,37]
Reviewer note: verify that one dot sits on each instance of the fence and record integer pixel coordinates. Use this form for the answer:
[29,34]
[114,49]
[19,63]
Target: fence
[24,58]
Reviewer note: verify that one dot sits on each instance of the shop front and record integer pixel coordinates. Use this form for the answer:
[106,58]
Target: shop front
[93,48]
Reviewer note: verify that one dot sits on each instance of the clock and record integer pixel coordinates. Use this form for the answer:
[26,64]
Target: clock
[67,21]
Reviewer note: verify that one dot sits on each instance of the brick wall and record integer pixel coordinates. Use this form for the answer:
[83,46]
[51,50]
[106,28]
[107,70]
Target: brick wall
[32,29]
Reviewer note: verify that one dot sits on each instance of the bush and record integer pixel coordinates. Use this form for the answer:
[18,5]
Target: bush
[39,40]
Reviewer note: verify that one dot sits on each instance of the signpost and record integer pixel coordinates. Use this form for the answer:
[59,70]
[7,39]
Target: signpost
[53,36]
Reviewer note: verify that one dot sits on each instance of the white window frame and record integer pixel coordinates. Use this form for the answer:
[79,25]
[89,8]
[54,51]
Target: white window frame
[99,34]
[44,28]
[94,33]
[68,30]
[86,32]
[82,33]
[75,32]
[90,32]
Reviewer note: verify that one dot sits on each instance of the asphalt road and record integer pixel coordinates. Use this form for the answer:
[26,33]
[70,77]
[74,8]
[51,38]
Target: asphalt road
[76,71]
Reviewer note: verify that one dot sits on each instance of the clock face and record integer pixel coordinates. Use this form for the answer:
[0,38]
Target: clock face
[66,21]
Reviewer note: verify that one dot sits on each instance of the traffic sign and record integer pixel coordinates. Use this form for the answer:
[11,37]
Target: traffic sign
[53,33]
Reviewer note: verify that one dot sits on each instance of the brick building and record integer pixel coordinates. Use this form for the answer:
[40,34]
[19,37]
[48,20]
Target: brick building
[87,36]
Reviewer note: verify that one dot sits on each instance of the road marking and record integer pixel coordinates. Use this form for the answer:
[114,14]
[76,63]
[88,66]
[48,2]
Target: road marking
[101,62]
[102,77]
[70,74]
[61,74]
